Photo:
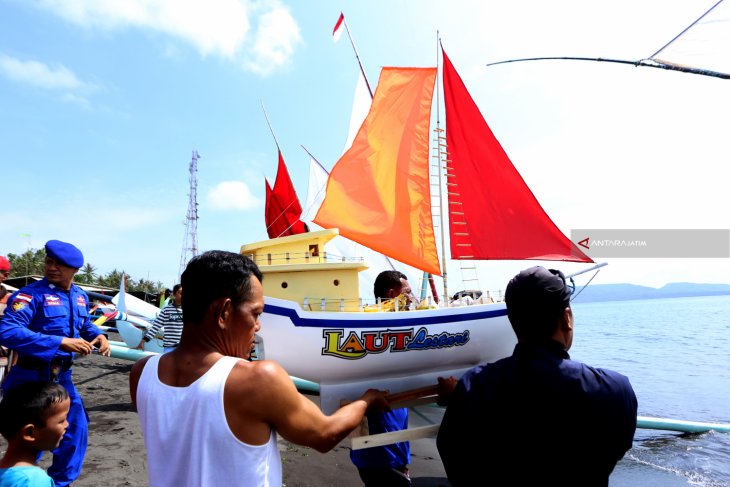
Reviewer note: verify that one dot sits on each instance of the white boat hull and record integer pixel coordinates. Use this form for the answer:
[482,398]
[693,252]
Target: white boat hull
[348,352]
[132,335]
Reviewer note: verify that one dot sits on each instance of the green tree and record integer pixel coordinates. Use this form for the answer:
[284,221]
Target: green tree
[28,263]
[148,286]
[87,274]
[112,279]
[32,261]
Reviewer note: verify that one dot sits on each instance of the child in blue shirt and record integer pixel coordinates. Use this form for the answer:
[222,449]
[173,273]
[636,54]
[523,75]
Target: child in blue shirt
[32,419]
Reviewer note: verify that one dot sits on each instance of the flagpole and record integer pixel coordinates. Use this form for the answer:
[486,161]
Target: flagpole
[362,70]
[266,116]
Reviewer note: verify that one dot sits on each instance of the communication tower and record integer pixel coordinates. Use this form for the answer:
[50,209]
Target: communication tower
[190,240]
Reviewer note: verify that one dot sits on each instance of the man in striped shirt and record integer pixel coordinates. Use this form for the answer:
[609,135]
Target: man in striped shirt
[171,319]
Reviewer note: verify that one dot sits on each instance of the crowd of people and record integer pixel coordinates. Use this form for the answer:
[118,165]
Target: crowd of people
[521,420]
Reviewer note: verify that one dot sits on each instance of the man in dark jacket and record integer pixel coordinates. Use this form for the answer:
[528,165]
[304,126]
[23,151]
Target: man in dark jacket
[537,417]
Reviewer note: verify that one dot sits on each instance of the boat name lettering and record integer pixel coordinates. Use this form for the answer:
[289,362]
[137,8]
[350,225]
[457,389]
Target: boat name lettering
[424,341]
[356,345]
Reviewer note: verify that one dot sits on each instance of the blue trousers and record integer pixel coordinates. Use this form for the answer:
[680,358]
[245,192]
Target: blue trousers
[69,456]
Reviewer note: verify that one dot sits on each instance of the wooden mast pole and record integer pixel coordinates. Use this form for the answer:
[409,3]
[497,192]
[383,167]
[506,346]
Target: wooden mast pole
[441,162]
[357,56]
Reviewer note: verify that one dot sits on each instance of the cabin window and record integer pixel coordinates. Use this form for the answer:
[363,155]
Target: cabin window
[336,282]
[314,250]
[284,284]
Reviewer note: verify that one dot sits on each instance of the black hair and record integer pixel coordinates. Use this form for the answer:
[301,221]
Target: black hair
[386,281]
[28,404]
[213,275]
[536,299]
[175,288]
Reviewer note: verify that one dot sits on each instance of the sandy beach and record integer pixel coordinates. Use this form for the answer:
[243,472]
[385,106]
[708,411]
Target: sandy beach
[116,454]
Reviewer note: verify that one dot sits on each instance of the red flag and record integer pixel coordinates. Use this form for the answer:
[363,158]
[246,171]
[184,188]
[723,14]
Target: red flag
[283,210]
[337,31]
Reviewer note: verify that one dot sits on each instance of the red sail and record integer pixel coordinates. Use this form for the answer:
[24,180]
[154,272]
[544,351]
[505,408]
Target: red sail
[283,210]
[493,215]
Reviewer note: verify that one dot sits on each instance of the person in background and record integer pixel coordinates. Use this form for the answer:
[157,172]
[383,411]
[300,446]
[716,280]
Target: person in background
[4,274]
[536,417]
[46,323]
[165,298]
[387,465]
[33,419]
[171,320]
[210,416]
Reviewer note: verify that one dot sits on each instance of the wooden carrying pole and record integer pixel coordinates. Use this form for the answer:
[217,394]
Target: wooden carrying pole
[427,395]
[413,397]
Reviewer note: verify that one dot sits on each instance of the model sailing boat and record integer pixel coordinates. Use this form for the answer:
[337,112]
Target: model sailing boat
[379,195]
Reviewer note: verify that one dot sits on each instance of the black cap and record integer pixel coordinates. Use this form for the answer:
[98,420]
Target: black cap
[536,298]
[539,288]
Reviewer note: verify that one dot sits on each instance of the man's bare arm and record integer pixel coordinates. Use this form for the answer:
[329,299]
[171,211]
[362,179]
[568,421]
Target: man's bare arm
[299,420]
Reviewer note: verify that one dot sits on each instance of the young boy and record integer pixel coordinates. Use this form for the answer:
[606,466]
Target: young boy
[32,419]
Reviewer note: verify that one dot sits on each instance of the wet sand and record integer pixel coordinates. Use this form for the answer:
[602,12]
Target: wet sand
[116,454]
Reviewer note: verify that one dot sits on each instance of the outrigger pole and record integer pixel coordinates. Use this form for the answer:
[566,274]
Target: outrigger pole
[650,62]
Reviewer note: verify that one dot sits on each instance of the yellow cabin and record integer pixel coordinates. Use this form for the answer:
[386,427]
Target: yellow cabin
[297,268]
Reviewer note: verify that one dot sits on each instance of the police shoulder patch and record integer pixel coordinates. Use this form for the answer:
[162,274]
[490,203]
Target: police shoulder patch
[18,305]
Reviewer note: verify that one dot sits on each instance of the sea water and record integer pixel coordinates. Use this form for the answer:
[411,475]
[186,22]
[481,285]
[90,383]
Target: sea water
[676,353]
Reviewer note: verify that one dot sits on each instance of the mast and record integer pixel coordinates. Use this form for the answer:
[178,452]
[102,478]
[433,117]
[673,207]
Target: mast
[357,56]
[266,116]
[190,240]
[370,91]
[441,160]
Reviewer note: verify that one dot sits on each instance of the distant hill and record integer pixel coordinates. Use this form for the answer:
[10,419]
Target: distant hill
[623,292]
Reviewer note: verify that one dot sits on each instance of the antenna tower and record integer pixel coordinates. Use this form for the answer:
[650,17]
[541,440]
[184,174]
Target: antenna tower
[190,240]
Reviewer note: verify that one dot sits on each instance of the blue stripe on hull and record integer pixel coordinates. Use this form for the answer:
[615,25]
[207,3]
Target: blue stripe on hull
[379,323]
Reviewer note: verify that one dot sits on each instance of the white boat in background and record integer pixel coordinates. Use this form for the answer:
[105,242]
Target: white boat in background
[132,335]
[315,322]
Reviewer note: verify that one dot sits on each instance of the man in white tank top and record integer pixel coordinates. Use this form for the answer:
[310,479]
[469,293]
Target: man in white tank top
[209,418]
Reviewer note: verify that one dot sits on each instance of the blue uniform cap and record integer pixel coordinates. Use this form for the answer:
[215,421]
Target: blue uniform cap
[65,253]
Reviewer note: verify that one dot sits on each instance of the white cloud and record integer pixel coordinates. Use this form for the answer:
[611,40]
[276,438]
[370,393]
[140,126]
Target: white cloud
[77,100]
[41,75]
[275,40]
[218,27]
[232,195]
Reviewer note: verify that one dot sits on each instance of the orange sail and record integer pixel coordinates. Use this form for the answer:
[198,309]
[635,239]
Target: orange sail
[378,193]
[492,213]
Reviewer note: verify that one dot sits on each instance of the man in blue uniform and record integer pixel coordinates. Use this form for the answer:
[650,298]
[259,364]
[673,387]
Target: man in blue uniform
[386,466]
[46,323]
[537,417]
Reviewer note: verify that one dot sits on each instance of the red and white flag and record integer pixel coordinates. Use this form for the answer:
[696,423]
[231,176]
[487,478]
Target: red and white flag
[339,27]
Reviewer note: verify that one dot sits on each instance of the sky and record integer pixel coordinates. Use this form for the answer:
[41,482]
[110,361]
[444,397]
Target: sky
[102,104]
